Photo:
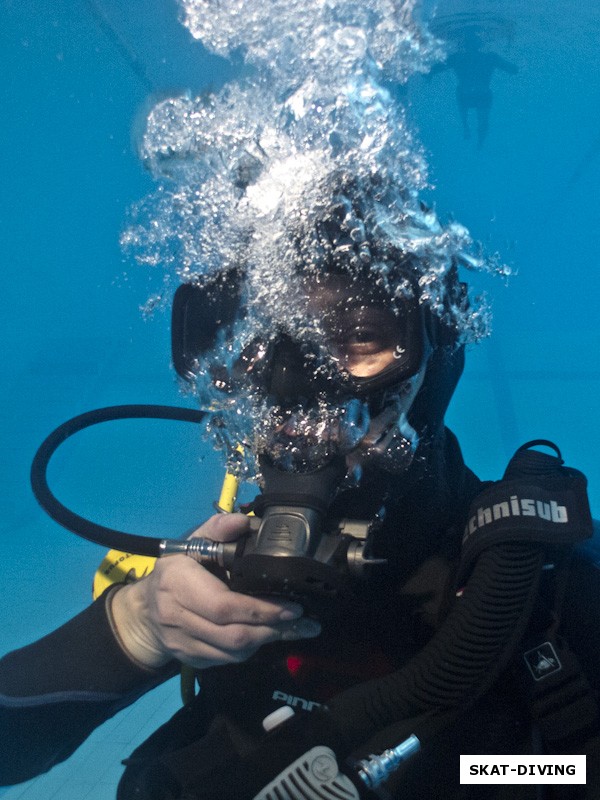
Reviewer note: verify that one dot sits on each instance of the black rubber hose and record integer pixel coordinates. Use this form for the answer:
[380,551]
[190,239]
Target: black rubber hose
[106,537]
[462,659]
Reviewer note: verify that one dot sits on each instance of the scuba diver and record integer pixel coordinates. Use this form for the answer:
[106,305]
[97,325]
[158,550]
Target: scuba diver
[380,600]
[474,69]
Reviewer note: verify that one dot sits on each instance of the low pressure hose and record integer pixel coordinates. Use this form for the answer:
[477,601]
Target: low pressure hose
[106,537]
[462,659]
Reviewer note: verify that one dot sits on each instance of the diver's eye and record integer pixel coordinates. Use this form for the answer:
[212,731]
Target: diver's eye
[364,340]
[365,347]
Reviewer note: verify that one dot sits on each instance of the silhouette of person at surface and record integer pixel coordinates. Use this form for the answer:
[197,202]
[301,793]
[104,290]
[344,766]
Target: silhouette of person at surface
[474,68]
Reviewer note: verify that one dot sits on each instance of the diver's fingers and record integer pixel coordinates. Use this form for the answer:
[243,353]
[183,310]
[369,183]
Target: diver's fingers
[184,583]
[201,654]
[198,640]
[223,527]
[165,614]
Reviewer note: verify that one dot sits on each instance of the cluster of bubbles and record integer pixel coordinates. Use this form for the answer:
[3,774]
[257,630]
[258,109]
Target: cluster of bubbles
[327,40]
[296,439]
[306,160]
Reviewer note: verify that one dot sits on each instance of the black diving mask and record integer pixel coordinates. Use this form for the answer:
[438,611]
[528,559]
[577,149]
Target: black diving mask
[336,379]
[350,346]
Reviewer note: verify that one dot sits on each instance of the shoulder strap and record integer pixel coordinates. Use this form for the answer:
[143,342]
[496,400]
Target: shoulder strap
[563,704]
[537,500]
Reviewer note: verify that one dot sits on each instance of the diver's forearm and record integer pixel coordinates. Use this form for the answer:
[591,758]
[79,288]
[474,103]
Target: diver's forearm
[56,691]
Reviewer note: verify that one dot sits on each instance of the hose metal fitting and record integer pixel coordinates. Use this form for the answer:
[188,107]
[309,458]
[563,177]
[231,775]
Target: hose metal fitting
[204,551]
[376,769]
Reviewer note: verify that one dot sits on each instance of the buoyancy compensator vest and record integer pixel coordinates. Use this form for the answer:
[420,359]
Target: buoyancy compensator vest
[514,528]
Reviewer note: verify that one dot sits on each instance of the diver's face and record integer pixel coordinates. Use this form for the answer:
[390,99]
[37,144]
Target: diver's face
[335,378]
[349,392]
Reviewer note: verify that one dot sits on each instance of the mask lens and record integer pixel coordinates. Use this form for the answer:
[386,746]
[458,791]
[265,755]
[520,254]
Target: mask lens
[367,341]
[373,346]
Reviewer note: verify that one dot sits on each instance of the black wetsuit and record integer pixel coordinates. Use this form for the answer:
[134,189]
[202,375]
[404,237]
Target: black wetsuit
[56,691]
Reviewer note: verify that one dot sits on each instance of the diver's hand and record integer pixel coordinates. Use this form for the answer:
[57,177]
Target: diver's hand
[182,611]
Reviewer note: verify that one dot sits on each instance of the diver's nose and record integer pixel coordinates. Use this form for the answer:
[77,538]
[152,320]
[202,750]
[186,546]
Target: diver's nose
[291,379]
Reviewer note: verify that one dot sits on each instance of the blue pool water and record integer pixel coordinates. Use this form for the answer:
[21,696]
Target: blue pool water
[75,83]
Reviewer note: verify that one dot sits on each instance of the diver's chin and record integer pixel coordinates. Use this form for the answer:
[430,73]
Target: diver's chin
[297,457]
[389,445]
